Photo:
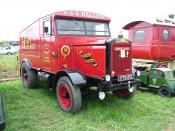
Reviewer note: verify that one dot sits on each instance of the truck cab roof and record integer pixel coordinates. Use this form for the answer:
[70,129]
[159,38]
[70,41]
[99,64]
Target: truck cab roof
[162,69]
[151,22]
[81,15]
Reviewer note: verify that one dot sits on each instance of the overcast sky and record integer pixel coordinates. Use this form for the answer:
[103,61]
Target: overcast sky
[15,15]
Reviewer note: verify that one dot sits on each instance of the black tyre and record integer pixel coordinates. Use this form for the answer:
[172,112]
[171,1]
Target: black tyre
[124,93]
[28,76]
[164,92]
[68,95]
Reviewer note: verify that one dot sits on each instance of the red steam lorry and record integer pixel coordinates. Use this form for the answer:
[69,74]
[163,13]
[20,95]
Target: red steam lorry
[73,51]
[153,43]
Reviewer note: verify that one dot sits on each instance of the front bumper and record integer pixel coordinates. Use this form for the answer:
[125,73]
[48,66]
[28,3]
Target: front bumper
[112,86]
[125,84]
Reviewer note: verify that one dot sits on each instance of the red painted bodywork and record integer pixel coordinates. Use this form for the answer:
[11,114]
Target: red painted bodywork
[153,47]
[42,58]
[121,65]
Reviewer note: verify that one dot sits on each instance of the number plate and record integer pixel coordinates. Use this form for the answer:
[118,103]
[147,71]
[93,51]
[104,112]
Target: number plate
[125,77]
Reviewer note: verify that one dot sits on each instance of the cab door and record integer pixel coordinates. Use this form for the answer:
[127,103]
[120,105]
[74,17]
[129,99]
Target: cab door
[156,79]
[47,45]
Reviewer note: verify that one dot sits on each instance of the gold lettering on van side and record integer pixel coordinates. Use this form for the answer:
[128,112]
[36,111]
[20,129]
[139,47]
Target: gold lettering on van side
[47,59]
[26,43]
[46,52]
[88,58]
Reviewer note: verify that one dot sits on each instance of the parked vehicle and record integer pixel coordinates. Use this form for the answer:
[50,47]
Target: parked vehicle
[8,50]
[160,79]
[152,43]
[73,51]
[14,43]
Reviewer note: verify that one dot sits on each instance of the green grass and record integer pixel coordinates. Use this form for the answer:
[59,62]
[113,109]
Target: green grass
[37,110]
[8,63]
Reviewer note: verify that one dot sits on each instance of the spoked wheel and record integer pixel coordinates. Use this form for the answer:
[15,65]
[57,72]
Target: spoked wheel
[124,93]
[68,95]
[164,92]
[29,76]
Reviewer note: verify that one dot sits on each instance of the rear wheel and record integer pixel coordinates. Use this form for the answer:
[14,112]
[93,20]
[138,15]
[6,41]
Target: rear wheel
[164,92]
[28,76]
[124,93]
[68,95]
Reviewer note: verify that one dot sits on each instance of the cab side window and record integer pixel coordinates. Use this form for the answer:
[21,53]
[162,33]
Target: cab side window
[139,35]
[47,28]
[166,35]
[156,73]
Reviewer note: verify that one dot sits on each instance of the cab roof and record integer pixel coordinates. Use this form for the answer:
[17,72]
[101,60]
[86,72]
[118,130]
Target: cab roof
[163,69]
[81,15]
[151,22]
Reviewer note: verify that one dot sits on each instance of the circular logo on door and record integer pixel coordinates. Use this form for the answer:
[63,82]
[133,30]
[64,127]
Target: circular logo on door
[154,80]
[65,51]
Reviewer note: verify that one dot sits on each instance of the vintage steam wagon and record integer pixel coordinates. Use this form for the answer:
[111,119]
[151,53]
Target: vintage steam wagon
[153,43]
[73,51]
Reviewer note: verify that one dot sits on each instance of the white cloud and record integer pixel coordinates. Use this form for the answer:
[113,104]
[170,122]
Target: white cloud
[16,15]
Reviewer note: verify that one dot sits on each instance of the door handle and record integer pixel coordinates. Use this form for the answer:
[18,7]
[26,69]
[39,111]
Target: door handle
[54,54]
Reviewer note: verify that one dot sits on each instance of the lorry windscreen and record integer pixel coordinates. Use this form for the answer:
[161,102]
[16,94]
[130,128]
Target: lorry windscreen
[169,75]
[82,27]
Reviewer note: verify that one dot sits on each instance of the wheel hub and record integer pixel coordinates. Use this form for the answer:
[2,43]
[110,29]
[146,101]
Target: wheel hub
[64,96]
[164,92]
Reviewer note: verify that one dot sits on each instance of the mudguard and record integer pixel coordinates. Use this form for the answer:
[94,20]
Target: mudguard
[76,77]
[27,62]
[2,118]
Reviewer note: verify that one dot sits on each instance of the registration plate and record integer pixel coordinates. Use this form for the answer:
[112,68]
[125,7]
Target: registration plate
[125,77]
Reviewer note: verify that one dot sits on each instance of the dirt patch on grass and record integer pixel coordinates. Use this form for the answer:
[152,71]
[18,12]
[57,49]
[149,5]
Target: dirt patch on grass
[9,74]
[171,125]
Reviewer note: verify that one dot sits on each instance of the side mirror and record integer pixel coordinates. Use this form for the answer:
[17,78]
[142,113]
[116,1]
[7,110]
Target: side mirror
[46,29]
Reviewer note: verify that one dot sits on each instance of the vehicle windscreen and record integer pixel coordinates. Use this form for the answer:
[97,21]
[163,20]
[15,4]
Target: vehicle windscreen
[82,27]
[169,75]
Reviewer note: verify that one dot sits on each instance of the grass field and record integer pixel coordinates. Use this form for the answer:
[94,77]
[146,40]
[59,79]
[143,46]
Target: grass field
[37,110]
[9,66]
[8,62]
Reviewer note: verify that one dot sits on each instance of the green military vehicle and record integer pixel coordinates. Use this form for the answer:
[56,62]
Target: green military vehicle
[160,79]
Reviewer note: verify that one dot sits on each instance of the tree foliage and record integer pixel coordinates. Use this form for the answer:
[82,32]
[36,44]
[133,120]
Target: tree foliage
[3,42]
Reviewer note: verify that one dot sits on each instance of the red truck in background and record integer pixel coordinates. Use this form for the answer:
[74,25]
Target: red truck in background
[153,42]
[73,51]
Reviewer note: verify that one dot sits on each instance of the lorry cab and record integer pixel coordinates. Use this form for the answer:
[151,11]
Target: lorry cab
[152,40]
[161,79]
[74,49]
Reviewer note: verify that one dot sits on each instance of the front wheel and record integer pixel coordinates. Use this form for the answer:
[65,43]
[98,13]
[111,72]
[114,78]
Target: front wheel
[68,95]
[164,92]
[125,93]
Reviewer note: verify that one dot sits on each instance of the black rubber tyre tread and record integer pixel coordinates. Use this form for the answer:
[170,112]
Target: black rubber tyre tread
[164,89]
